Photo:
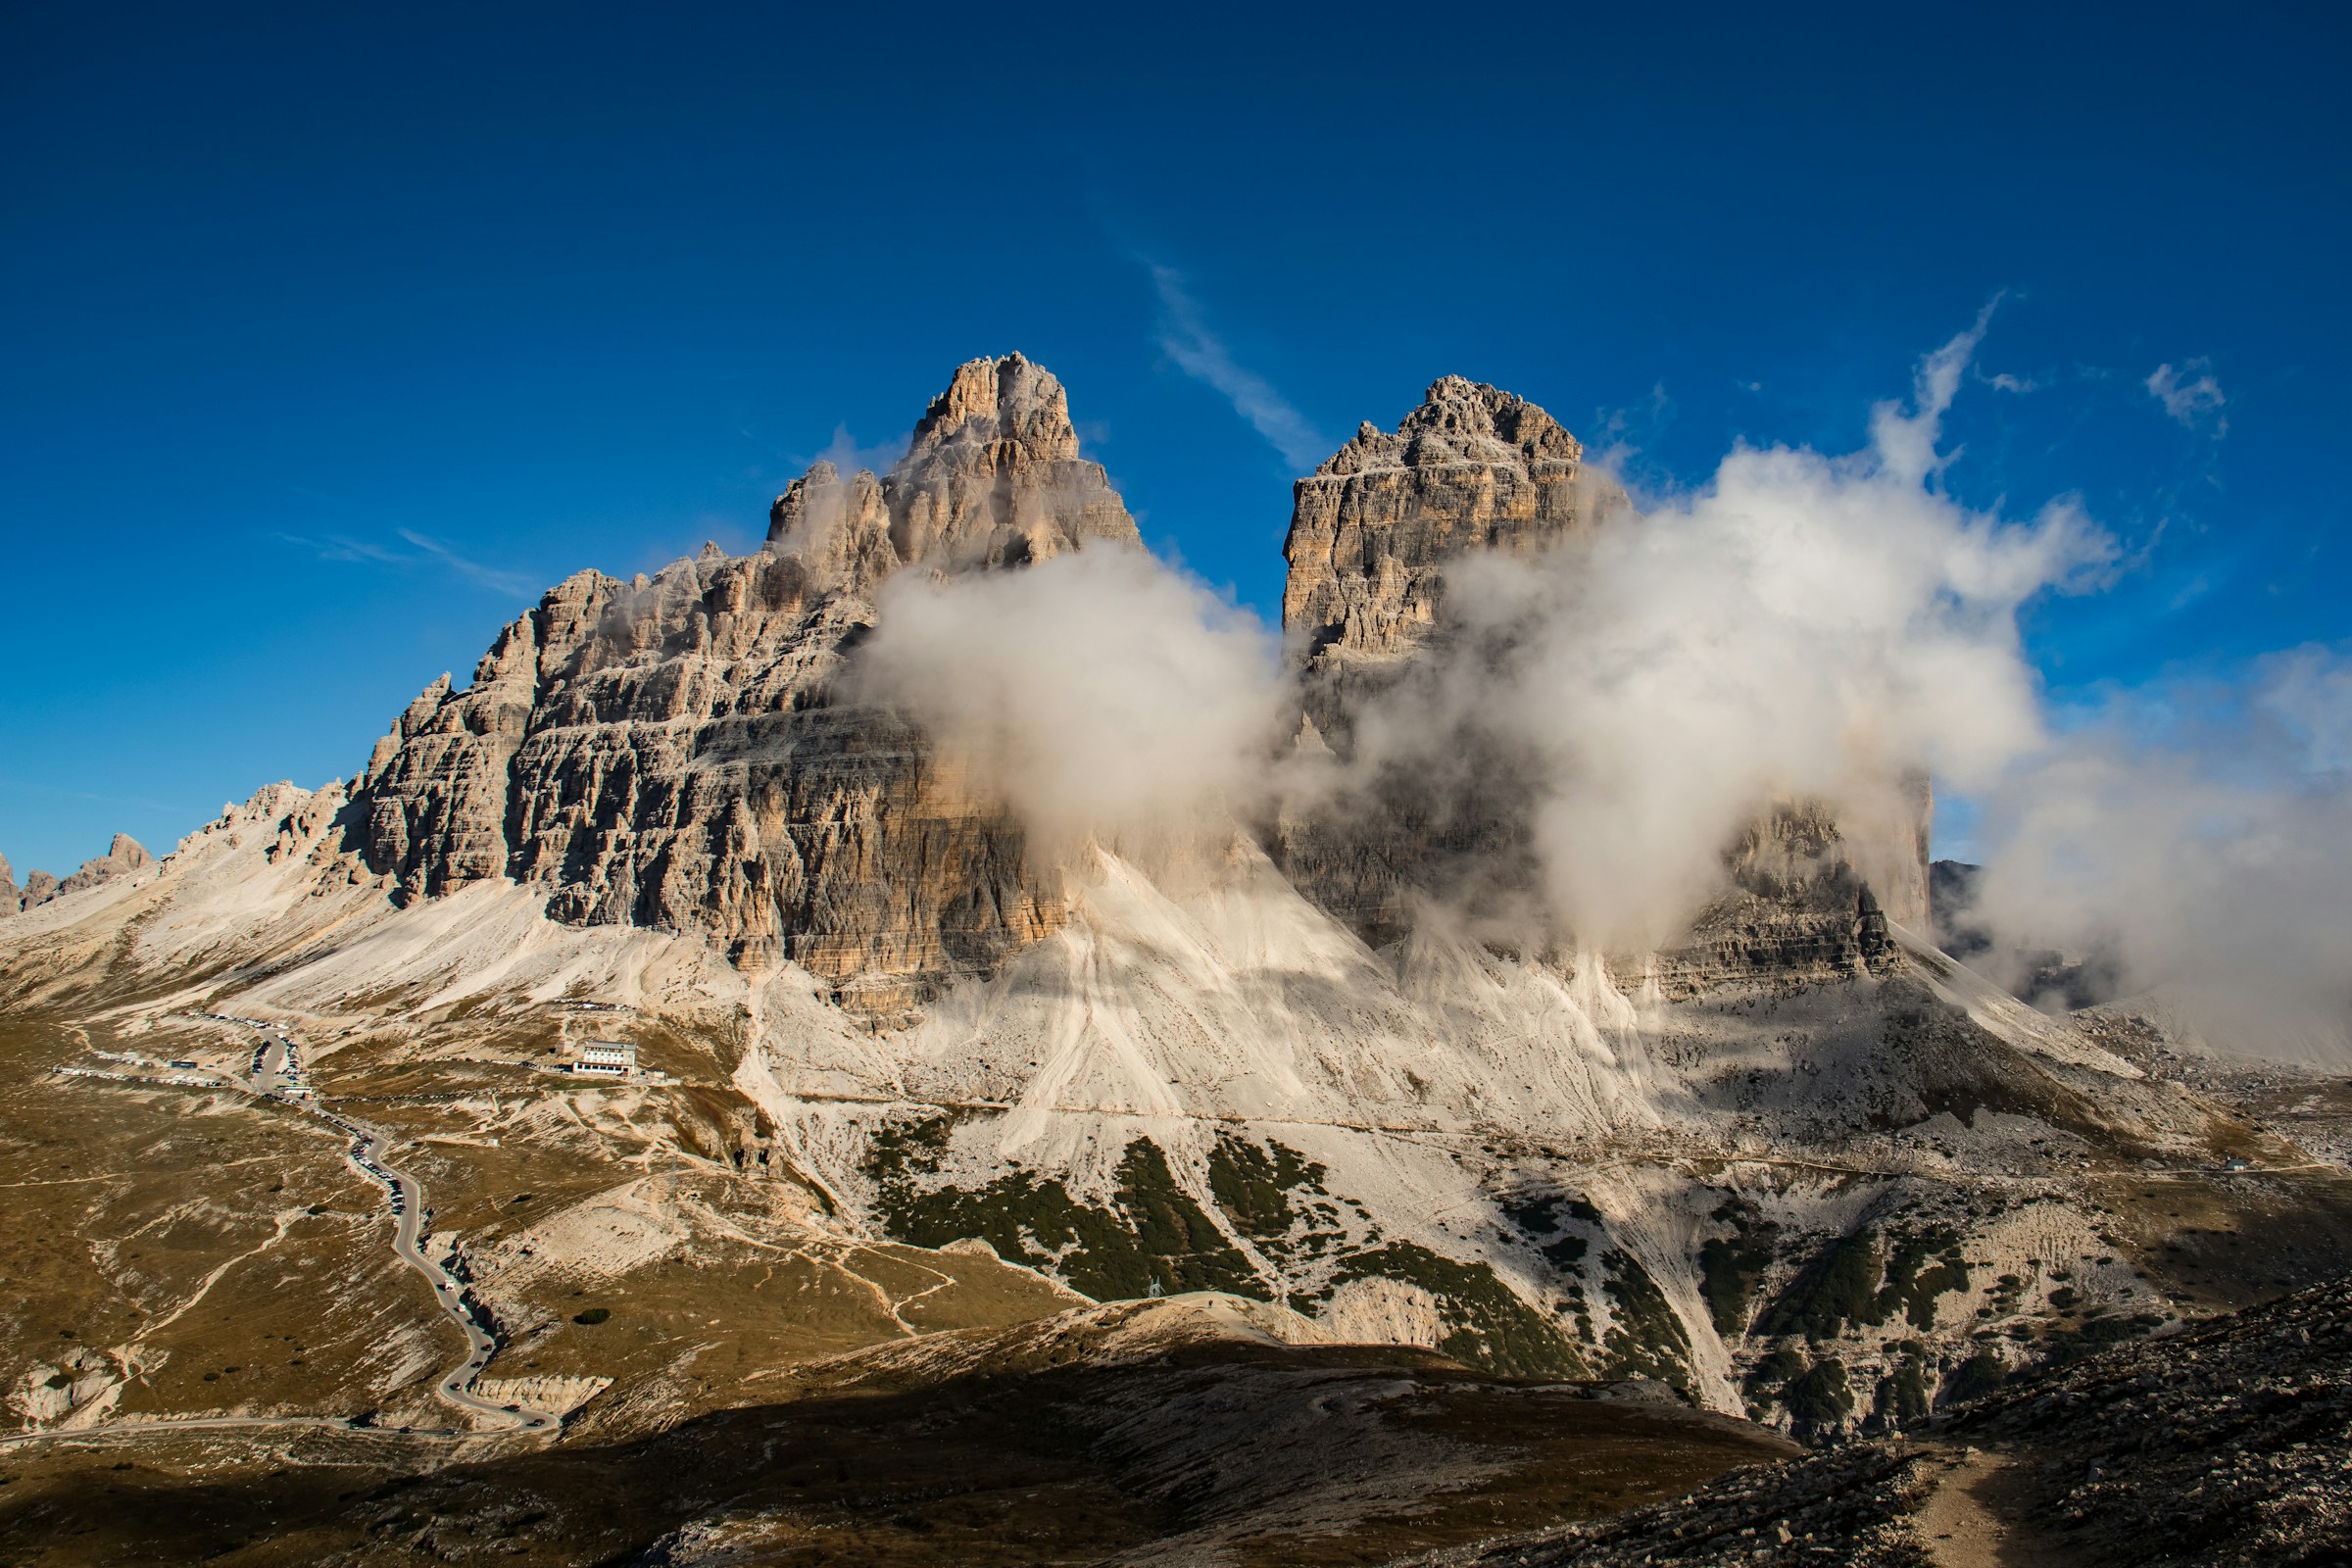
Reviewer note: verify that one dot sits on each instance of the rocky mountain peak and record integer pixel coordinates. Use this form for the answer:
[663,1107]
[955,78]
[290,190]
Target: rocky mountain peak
[675,752]
[992,477]
[1009,400]
[1459,421]
[122,856]
[1473,468]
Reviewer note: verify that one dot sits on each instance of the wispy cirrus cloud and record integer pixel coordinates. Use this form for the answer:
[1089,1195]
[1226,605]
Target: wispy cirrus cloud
[1185,338]
[2190,403]
[425,551]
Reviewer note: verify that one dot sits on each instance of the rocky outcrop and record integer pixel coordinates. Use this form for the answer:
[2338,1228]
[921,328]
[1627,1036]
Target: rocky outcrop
[1374,527]
[39,888]
[1374,532]
[2227,1443]
[1803,902]
[678,752]
[992,478]
[122,856]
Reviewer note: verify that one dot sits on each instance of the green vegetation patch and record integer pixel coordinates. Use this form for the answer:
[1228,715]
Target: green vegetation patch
[1647,1338]
[1819,1402]
[1902,1395]
[1837,1287]
[1731,1266]
[1151,1234]
[1486,1324]
[1977,1377]
[1922,1266]
[1771,1375]
[1253,1185]
[1855,1282]
[1546,1220]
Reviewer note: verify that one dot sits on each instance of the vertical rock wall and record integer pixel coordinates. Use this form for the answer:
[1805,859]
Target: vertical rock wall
[678,752]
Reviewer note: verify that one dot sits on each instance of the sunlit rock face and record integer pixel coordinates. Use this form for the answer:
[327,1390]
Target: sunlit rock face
[679,752]
[1373,529]
[1374,533]
[675,752]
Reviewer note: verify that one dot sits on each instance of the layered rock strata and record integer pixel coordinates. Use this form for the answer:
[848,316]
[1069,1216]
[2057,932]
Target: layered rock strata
[678,751]
[122,856]
[1374,529]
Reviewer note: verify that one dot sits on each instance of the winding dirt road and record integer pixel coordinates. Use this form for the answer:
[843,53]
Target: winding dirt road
[275,1074]
[366,1154]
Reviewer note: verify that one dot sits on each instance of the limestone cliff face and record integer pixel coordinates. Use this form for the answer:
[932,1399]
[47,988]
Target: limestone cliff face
[1373,529]
[676,751]
[1373,532]
[992,478]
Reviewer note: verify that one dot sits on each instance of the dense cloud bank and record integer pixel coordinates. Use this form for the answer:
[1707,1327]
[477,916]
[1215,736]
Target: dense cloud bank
[1102,694]
[2193,839]
[1800,625]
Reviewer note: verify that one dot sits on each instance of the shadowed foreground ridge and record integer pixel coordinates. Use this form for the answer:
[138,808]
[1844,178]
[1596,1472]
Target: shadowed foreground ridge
[1168,1432]
[2227,1444]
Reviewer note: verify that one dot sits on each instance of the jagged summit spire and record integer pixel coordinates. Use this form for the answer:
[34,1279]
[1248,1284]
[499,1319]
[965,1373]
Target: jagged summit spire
[992,477]
[1472,468]
[1011,400]
[1464,421]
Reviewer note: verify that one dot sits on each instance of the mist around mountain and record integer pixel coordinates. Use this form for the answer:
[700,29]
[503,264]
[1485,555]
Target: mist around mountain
[1525,969]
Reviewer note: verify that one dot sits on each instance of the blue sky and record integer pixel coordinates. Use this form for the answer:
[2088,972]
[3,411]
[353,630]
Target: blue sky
[329,338]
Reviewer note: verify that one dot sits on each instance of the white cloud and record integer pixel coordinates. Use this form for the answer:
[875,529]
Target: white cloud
[1802,625]
[1184,337]
[339,547]
[1101,694]
[490,577]
[2190,403]
[2196,835]
[848,458]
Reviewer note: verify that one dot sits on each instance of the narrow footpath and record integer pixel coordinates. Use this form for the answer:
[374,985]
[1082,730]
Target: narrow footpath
[1974,1518]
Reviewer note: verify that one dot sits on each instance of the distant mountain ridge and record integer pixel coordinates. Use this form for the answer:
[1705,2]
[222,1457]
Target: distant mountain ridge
[125,855]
